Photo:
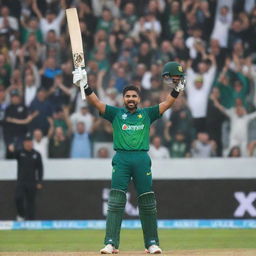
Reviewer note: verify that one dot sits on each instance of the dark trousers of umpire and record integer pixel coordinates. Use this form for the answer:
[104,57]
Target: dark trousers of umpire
[25,200]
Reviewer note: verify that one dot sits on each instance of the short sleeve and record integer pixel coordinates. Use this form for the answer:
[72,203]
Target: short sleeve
[153,113]
[110,113]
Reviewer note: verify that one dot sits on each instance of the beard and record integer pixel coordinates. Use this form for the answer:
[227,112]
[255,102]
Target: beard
[131,107]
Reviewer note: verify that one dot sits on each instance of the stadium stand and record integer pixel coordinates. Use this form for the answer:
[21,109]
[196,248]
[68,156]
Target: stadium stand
[128,42]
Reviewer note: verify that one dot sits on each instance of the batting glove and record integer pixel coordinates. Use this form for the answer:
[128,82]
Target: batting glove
[181,86]
[80,77]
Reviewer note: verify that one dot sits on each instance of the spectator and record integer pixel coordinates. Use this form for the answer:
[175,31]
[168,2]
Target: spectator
[234,152]
[239,121]
[80,144]
[17,119]
[129,14]
[214,121]
[30,27]
[61,119]
[30,89]
[16,54]
[157,150]
[44,109]
[59,144]
[59,94]
[219,54]
[222,24]
[231,92]
[178,146]
[105,21]
[198,89]
[165,52]
[5,71]
[8,24]
[145,55]
[174,19]
[83,116]
[33,50]
[99,7]
[202,147]
[180,120]
[87,20]
[179,49]
[194,42]
[103,153]
[40,143]
[101,131]
[235,33]
[49,71]
[50,21]
[52,44]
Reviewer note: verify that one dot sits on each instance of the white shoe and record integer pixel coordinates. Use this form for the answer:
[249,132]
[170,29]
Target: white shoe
[154,249]
[109,249]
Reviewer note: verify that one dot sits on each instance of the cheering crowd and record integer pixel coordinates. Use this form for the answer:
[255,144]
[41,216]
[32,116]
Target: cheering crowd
[128,42]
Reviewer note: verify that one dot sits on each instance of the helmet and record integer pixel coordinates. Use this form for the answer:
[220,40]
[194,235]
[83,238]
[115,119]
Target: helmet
[172,68]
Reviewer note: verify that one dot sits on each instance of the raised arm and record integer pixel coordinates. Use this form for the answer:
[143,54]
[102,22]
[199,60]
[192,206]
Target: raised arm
[36,10]
[80,77]
[163,106]
[218,105]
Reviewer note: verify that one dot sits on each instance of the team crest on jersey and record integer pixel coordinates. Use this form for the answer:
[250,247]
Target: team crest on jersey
[139,115]
[35,156]
[124,116]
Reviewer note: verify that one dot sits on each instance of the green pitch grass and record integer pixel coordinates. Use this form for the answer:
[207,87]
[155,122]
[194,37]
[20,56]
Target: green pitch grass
[131,240]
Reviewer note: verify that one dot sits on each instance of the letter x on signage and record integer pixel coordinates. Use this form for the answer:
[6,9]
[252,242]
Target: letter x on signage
[245,204]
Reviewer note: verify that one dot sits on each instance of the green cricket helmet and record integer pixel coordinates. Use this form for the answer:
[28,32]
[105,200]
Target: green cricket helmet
[172,68]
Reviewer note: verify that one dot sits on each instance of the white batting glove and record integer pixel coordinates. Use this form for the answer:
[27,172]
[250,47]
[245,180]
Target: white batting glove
[181,86]
[80,77]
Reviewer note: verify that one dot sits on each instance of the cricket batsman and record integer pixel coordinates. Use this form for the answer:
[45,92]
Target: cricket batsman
[131,127]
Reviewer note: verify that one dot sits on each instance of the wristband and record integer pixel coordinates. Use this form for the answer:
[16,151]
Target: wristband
[88,91]
[174,93]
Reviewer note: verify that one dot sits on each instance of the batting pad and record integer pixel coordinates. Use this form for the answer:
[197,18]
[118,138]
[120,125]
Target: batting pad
[116,205]
[148,218]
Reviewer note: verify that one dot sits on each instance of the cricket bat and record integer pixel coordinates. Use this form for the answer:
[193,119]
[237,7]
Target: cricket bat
[76,41]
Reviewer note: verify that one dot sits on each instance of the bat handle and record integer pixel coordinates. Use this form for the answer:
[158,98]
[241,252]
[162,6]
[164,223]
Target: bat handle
[81,87]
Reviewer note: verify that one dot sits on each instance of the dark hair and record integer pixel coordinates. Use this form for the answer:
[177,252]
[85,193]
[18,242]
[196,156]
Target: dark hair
[131,88]
[231,152]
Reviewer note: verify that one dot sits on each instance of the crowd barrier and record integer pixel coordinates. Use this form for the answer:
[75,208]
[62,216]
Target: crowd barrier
[190,189]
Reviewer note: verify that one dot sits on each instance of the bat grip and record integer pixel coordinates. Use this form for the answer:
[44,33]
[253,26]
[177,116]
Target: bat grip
[81,87]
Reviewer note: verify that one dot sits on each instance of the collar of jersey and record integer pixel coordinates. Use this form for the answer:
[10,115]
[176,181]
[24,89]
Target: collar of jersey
[128,112]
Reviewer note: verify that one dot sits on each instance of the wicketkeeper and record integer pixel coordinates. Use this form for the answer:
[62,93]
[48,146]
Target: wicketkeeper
[131,127]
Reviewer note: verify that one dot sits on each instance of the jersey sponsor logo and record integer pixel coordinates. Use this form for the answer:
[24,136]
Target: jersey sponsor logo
[139,115]
[126,127]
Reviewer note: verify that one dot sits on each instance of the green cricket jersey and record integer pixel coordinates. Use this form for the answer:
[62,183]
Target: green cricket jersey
[131,130]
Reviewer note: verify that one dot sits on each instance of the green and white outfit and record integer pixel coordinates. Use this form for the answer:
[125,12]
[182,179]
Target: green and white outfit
[131,161]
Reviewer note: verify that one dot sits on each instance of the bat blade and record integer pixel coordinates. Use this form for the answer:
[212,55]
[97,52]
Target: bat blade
[76,41]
